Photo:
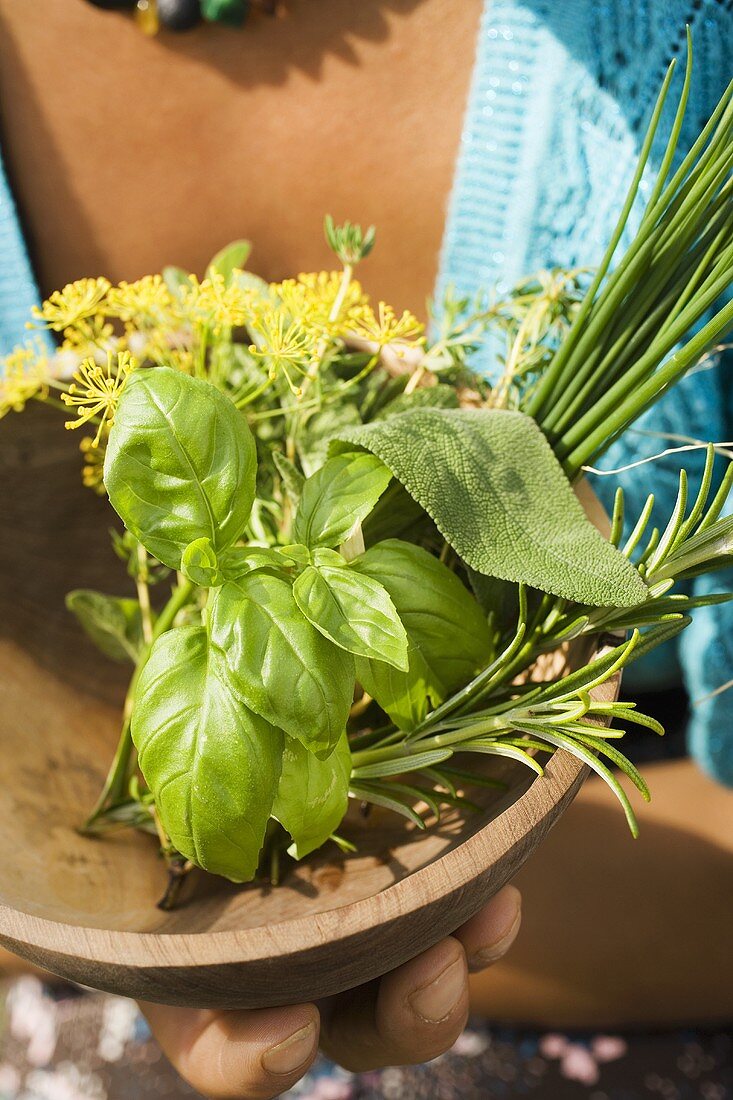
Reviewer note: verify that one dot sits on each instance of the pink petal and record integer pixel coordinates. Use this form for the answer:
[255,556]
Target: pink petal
[578,1064]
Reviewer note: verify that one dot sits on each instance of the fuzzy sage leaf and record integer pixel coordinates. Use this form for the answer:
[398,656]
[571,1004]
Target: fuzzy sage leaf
[498,495]
[180,464]
[211,763]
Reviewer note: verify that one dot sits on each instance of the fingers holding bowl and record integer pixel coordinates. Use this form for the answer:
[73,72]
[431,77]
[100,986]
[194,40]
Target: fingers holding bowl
[488,935]
[247,1055]
[418,1011]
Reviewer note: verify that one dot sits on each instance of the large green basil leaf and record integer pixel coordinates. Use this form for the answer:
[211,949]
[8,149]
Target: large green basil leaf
[212,765]
[281,666]
[448,636]
[337,497]
[491,482]
[313,794]
[113,623]
[353,610]
[180,464]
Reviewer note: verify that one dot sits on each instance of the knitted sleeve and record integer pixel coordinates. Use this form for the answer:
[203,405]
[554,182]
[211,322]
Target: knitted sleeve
[560,99]
[18,291]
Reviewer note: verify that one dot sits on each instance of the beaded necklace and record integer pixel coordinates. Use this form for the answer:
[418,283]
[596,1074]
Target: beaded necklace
[182,15]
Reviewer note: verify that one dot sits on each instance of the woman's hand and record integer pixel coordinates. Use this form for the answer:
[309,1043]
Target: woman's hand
[410,1015]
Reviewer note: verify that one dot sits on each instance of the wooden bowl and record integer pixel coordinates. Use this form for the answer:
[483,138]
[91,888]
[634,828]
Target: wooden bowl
[86,909]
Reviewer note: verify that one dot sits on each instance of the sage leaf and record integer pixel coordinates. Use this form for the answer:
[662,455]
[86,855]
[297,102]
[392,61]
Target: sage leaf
[498,495]
[113,623]
[338,497]
[281,666]
[312,795]
[212,764]
[352,610]
[180,464]
[448,636]
[229,259]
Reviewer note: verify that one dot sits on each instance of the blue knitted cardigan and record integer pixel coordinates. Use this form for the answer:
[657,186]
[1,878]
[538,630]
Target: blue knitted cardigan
[561,93]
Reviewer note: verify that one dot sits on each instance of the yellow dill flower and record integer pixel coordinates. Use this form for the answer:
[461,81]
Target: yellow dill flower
[24,374]
[146,301]
[90,336]
[96,390]
[284,344]
[212,303]
[315,299]
[92,474]
[75,302]
[385,327]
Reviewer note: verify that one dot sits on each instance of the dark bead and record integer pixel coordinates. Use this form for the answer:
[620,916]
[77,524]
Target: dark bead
[179,15]
[114,5]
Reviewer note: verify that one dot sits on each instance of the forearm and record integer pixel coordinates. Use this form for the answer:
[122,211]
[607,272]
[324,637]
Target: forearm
[617,932]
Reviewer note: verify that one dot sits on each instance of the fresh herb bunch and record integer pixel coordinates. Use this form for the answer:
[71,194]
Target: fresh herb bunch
[367,546]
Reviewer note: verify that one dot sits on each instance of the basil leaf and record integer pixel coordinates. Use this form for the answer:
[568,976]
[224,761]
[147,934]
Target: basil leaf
[213,766]
[337,497]
[200,564]
[448,636]
[491,482]
[112,623]
[229,259]
[180,464]
[239,560]
[354,611]
[280,665]
[313,794]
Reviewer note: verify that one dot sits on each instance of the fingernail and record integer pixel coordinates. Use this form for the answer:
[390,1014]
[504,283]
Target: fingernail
[292,1053]
[436,1000]
[495,951]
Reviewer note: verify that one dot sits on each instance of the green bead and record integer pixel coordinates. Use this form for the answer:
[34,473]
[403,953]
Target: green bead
[231,12]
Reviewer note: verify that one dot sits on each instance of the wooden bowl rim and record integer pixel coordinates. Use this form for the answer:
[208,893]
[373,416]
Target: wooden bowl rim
[443,876]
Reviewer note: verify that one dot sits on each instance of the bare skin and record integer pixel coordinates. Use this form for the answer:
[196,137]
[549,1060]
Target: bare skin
[355,109]
[195,140]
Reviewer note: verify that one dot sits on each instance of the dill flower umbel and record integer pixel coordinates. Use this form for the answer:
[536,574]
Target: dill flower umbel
[24,375]
[77,301]
[95,391]
[214,303]
[285,345]
[148,301]
[386,327]
[321,301]
[92,473]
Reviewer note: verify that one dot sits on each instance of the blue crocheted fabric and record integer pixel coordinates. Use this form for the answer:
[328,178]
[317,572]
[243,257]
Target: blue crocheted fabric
[559,103]
[560,96]
[18,291]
